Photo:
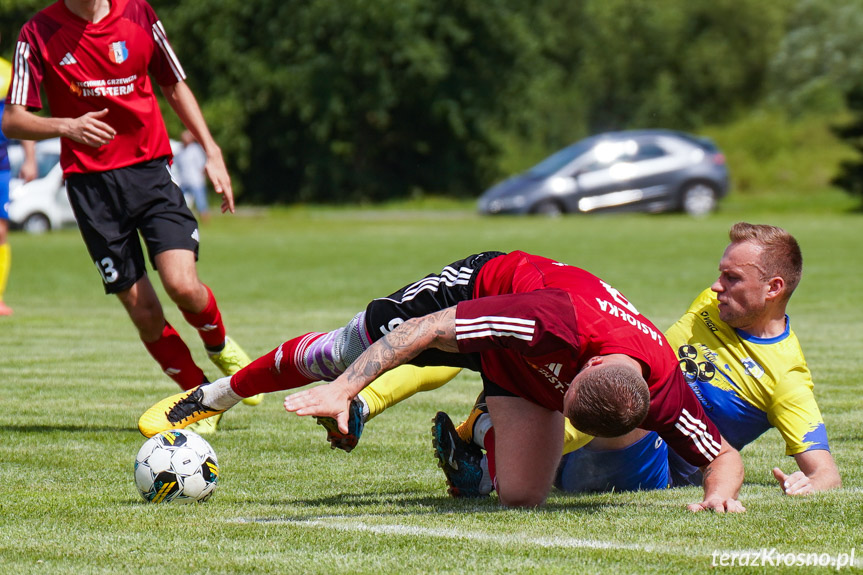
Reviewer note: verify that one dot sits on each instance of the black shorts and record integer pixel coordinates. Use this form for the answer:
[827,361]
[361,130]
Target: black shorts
[112,207]
[433,293]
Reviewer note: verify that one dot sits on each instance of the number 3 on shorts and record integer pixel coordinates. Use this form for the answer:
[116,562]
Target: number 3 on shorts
[106,270]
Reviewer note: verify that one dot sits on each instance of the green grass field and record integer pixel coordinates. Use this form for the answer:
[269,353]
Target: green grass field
[74,378]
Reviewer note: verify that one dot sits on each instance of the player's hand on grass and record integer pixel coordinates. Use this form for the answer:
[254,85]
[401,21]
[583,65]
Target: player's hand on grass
[718,505]
[795,484]
[89,129]
[326,400]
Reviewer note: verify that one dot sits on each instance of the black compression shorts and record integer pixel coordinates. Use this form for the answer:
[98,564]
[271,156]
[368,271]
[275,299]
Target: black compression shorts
[433,293]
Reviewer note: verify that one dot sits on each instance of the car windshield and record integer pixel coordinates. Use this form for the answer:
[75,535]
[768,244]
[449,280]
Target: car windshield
[558,160]
[45,160]
[705,143]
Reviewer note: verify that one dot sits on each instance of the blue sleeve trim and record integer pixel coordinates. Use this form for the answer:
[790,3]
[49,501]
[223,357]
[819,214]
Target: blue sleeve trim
[816,438]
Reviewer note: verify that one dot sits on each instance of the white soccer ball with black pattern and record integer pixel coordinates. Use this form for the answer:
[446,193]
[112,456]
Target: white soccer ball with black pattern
[176,465]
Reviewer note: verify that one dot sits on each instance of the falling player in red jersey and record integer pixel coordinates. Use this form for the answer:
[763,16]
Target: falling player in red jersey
[95,59]
[550,340]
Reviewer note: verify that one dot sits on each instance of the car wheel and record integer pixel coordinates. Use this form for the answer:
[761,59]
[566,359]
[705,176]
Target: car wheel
[698,199]
[36,224]
[549,208]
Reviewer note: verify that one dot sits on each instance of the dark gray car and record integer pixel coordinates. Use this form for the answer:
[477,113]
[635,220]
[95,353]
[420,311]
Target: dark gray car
[642,170]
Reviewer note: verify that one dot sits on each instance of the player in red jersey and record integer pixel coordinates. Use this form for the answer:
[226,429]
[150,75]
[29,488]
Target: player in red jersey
[549,340]
[94,59]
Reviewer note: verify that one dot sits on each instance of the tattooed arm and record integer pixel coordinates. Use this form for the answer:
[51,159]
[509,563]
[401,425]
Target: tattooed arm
[436,330]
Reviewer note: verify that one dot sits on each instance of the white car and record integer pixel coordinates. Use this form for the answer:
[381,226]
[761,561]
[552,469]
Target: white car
[40,205]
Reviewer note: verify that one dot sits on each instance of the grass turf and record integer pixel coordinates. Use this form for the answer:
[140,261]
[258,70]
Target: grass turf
[74,378]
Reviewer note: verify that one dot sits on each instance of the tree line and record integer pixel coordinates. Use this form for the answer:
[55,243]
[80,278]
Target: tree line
[367,100]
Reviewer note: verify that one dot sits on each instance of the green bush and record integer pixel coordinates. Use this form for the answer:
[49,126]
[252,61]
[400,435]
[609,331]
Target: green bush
[850,176]
[768,152]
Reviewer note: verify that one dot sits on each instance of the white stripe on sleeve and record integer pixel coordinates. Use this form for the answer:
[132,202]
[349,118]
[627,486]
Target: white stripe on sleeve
[21,74]
[162,40]
[696,430]
[499,326]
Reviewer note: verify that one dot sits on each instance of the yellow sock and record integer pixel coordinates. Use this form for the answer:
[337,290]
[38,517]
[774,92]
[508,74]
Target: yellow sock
[573,439]
[401,383]
[5,264]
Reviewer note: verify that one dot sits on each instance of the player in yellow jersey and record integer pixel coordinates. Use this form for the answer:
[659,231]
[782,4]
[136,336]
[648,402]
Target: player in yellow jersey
[743,360]
[28,171]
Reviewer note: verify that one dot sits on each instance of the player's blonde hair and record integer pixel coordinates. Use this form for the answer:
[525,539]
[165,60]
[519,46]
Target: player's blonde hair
[780,252]
[607,401]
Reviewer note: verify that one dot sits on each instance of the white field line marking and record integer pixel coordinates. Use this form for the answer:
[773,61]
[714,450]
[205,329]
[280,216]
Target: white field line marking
[767,556]
[449,533]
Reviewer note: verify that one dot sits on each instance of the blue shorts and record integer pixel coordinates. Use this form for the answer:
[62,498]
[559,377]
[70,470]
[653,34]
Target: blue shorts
[5,176]
[682,472]
[640,467]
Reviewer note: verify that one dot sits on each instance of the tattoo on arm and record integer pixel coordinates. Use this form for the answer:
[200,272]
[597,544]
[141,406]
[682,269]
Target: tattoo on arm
[436,330]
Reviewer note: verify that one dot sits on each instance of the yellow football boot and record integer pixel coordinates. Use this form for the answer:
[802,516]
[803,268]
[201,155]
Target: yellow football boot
[176,412]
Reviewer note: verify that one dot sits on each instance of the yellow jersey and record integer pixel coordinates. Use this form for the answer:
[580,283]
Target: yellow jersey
[745,383]
[5,77]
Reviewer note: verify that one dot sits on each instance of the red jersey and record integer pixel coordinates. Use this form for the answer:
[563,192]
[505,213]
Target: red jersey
[535,322]
[87,67]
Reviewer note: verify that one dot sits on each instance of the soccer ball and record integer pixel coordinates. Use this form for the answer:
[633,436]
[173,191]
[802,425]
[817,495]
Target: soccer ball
[176,465]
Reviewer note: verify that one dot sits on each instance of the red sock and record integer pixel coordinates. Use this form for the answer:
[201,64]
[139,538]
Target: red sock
[208,322]
[488,443]
[280,369]
[171,353]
